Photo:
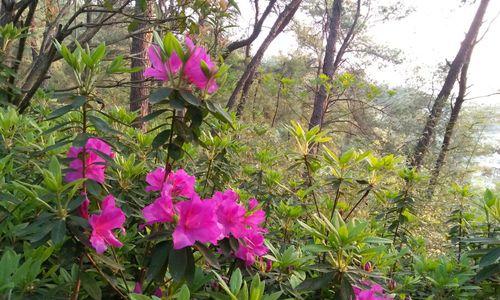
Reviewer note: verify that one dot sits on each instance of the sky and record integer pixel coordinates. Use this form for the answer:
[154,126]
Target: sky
[427,37]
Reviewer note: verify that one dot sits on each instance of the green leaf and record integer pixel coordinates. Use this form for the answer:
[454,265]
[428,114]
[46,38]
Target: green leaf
[490,258]
[273,296]
[9,263]
[236,281]
[98,53]
[153,115]
[171,44]
[175,151]
[184,293]
[217,111]
[177,262]
[256,288]
[160,95]
[58,232]
[223,284]
[134,296]
[312,284]
[176,101]
[77,102]
[161,138]
[195,115]
[158,261]
[377,240]
[346,291]
[102,125]
[487,272]
[54,128]
[90,285]
[133,26]
[316,248]
[190,98]
[209,255]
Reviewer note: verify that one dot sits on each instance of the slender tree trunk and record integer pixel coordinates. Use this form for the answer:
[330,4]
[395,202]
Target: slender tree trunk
[280,85]
[328,63]
[55,30]
[244,97]
[279,25]
[428,132]
[448,134]
[256,29]
[139,90]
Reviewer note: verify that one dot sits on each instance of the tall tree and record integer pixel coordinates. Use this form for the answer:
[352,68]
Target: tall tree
[139,90]
[328,63]
[279,25]
[59,28]
[437,109]
[448,133]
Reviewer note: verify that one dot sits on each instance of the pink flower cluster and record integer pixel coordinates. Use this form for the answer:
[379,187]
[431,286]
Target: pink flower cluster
[192,70]
[92,165]
[207,220]
[88,162]
[371,291]
[195,219]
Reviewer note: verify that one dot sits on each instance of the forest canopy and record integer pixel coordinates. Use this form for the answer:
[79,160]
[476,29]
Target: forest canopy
[249,149]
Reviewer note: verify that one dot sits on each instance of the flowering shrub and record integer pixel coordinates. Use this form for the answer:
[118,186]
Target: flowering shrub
[91,214]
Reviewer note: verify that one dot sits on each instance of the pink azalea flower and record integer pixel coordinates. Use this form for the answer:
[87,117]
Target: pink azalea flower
[182,183]
[161,70]
[193,70]
[375,292]
[197,222]
[230,214]
[254,220]
[95,164]
[252,245]
[160,211]
[103,224]
[252,203]
[179,182]
[155,180]
[100,146]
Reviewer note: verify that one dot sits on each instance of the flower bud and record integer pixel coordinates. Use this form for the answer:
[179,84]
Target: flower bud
[137,288]
[368,267]
[158,293]
[269,265]
[391,284]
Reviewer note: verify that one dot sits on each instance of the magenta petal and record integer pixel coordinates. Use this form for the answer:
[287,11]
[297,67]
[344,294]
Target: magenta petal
[103,224]
[98,243]
[161,210]
[181,239]
[156,74]
[155,180]
[197,222]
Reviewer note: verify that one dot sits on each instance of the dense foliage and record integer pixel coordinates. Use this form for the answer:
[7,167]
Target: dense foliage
[189,201]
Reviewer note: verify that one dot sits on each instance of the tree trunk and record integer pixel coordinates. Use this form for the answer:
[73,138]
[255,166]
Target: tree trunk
[56,31]
[428,132]
[280,85]
[328,64]
[139,90]
[448,134]
[279,25]
[257,28]
[244,97]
